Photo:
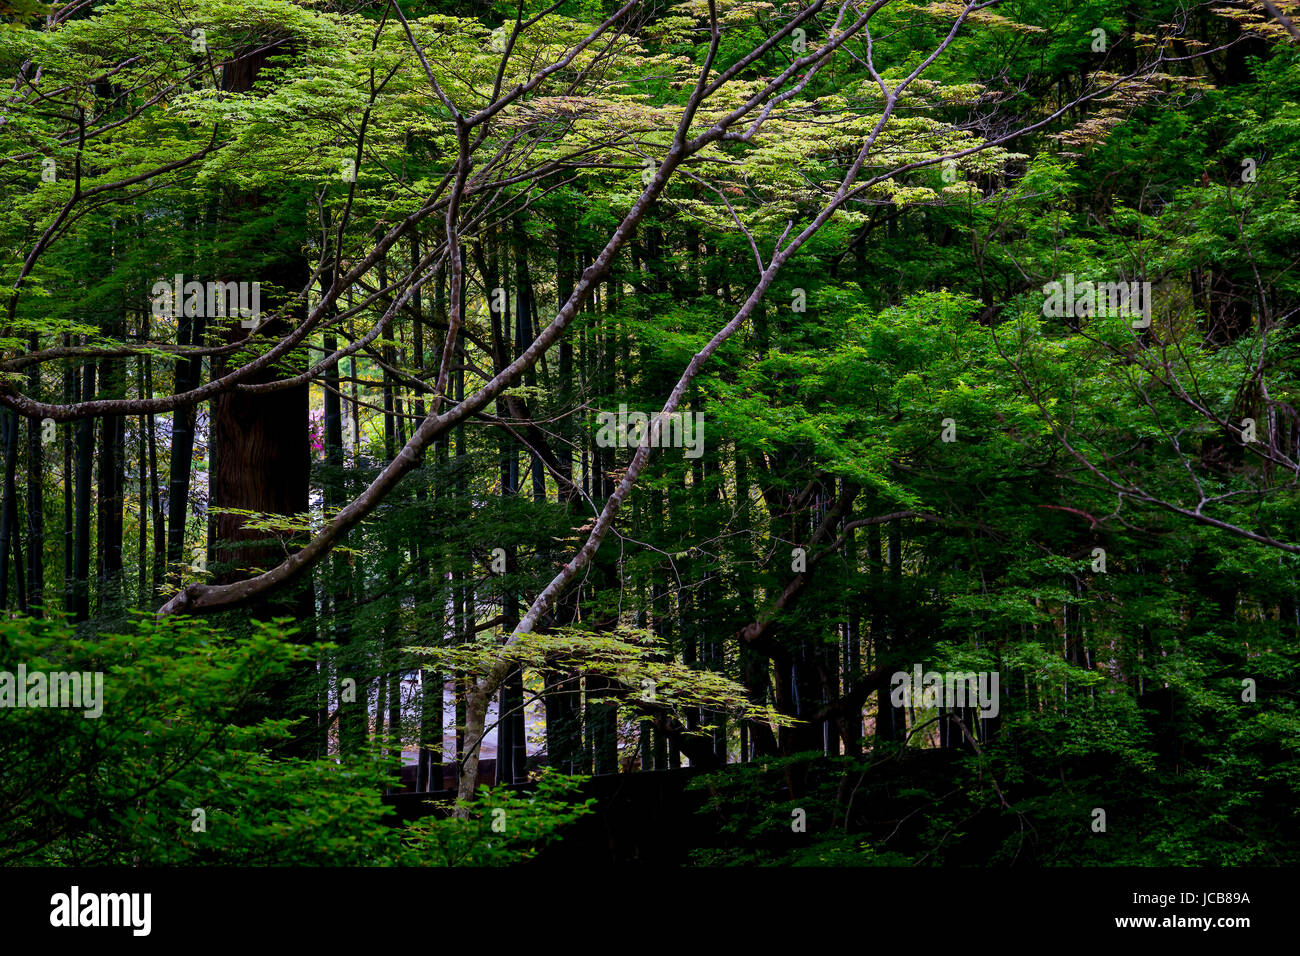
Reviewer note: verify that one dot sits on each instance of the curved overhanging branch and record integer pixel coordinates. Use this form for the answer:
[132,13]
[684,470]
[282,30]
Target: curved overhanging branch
[202,597]
[480,691]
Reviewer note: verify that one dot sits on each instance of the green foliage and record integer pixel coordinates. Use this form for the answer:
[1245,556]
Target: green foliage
[123,788]
[920,305]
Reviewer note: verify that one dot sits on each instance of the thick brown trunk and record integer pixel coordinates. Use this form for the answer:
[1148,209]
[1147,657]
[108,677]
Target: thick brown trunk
[261,441]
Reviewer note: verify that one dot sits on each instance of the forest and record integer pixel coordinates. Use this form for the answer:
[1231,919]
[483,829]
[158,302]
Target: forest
[838,433]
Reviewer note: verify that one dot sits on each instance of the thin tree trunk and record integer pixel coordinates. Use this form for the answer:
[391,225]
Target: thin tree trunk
[35,498]
[155,493]
[190,331]
[9,508]
[81,531]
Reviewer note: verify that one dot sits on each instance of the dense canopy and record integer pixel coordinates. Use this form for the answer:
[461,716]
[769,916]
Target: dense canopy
[870,425]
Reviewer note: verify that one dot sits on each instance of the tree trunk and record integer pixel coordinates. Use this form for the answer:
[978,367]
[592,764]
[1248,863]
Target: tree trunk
[85,454]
